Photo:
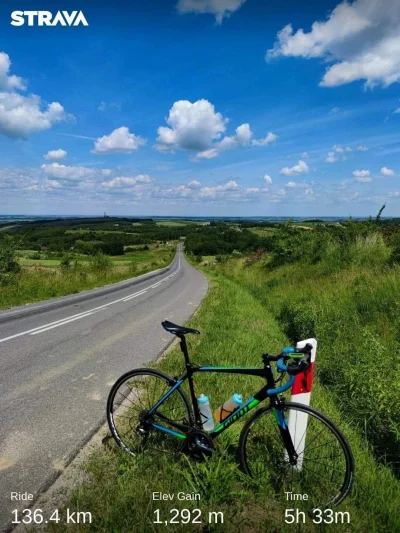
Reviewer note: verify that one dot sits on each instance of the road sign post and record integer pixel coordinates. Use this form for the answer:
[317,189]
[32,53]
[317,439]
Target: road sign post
[301,393]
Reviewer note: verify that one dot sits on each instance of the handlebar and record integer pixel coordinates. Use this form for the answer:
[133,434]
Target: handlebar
[302,358]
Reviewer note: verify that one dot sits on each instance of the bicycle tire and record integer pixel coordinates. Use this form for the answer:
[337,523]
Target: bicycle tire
[303,471]
[113,406]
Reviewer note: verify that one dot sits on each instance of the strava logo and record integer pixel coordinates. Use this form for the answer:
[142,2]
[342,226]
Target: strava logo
[46,18]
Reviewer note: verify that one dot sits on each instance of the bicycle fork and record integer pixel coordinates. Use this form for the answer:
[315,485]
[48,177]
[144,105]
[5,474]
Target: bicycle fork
[290,455]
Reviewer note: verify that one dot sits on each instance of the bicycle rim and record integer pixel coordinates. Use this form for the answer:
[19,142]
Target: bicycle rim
[131,397]
[325,466]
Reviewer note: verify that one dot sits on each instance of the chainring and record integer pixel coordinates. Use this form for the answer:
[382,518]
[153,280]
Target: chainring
[199,444]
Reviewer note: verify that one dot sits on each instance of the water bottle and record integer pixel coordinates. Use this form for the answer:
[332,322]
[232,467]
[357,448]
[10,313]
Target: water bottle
[205,412]
[228,407]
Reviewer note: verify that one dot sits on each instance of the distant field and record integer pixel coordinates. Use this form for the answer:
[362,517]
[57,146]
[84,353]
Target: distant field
[99,231]
[42,279]
[263,232]
[176,223]
[42,262]
[138,256]
[208,259]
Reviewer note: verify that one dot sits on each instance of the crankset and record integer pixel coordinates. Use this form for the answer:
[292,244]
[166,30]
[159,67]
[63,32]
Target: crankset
[199,444]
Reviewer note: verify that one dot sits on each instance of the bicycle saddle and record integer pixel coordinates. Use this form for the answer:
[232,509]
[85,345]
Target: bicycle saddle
[178,330]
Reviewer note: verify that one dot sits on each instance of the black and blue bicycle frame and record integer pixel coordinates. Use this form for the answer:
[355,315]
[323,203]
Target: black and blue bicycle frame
[270,391]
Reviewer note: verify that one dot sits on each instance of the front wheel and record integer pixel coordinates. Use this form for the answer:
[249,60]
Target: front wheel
[324,466]
[129,401]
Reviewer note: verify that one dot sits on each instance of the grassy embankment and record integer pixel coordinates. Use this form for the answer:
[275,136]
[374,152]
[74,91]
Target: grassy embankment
[41,279]
[237,326]
[353,311]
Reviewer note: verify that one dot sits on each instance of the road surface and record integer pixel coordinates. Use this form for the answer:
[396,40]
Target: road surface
[58,365]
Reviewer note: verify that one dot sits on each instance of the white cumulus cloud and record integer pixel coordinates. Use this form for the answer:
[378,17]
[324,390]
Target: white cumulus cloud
[361,173]
[219,190]
[219,8]
[59,172]
[341,149]
[20,116]
[385,171]
[339,152]
[126,181]
[331,158]
[300,168]
[119,141]
[242,137]
[270,138]
[208,154]
[198,127]
[360,40]
[192,126]
[7,82]
[267,180]
[55,155]
[363,176]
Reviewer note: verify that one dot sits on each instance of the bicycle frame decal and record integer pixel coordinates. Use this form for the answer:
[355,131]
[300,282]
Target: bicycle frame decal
[236,415]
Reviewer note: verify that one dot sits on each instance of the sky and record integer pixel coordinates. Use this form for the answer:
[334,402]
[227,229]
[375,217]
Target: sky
[202,107]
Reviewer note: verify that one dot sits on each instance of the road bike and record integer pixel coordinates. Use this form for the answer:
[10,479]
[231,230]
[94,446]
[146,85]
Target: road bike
[290,446]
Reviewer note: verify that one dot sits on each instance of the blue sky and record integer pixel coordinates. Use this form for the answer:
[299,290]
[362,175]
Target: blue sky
[202,107]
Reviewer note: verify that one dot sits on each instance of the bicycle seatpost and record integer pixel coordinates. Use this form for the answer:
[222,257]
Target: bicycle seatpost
[184,349]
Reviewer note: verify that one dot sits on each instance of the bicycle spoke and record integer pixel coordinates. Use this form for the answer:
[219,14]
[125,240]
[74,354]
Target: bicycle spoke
[139,393]
[320,469]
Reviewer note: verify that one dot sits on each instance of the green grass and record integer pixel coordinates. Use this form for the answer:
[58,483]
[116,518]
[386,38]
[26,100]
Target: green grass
[43,279]
[236,328]
[43,262]
[353,312]
[262,232]
[137,256]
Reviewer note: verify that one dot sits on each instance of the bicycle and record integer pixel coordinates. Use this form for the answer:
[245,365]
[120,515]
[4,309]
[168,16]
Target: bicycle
[146,407]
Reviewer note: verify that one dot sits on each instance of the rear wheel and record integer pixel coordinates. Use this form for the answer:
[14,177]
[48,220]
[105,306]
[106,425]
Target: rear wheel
[129,401]
[324,467]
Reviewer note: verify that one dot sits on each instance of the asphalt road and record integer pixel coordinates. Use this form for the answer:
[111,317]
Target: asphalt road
[58,365]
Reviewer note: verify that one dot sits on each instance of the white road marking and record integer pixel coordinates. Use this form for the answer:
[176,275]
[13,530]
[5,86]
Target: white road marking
[66,320]
[134,295]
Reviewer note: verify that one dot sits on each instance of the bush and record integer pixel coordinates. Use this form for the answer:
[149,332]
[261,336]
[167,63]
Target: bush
[66,261]
[8,257]
[133,268]
[298,320]
[102,262]
[334,246]
[369,250]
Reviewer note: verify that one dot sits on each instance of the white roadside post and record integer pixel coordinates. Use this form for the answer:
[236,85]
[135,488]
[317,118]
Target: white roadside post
[301,393]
